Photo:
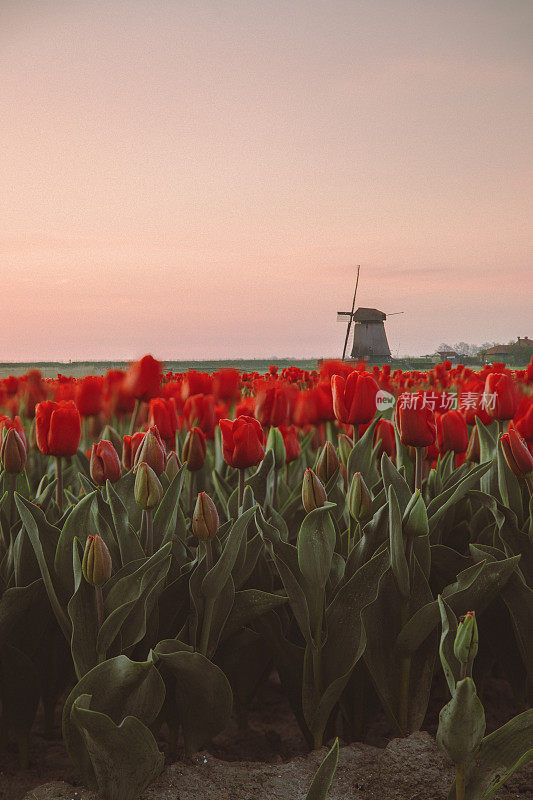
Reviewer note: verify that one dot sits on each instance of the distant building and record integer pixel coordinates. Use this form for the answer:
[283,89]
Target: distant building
[518,351]
[447,355]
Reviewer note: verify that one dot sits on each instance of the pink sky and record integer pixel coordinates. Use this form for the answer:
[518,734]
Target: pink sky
[198,178]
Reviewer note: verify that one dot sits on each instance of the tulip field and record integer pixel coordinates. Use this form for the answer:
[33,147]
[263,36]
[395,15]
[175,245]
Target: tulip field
[359,538]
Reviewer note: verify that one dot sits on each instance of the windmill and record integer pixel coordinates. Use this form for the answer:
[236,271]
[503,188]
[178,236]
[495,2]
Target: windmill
[369,338]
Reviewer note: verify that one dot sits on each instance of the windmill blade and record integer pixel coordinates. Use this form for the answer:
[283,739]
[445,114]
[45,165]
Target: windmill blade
[350,318]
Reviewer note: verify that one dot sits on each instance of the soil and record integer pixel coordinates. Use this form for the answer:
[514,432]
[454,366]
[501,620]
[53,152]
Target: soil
[270,761]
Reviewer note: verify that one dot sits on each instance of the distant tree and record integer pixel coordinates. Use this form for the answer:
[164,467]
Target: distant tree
[442,347]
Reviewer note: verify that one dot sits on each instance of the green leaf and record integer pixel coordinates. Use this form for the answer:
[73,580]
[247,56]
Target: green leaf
[29,515]
[360,459]
[461,723]
[20,689]
[316,543]
[82,612]
[450,665]
[130,601]
[118,688]
[448,498]
[203,695]
[474,589]
[248,605]
[128,542]
[129,744]
[391,477]
[77,526]
[324,775]
[509,485]
[167,511]
[399,564]
[258,482]
[500,754]
[217,576]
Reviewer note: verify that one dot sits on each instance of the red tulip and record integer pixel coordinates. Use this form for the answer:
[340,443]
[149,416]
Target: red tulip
[516,453]
[143,379]
[291,441]
[199,410]
[242,442]
[384,434]
[227,385]
[452,432]
[501,399]
[162,414]
[58,428]
[105,464]
[416,422]
[89,396]
[354,399]
[272,405]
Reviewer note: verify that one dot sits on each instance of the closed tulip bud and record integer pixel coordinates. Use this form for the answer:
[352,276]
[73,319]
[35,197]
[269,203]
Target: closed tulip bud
[12,452]
[109,434]
[345,448]
[194,450]
[277,445]
[147,490]
[313,492]
[205,518]
[516,452]
[129,449]
[466,639]
[415,517]
[151,451]
[105,464]
[96,565]
[327,463]
[473,451]
[359,499]
[173,465]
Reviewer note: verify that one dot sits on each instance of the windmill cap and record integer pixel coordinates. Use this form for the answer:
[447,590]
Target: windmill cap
[369,315]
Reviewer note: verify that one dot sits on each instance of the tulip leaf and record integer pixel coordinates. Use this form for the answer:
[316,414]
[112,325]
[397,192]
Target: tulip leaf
[449,497]
[128,542]
[391,477]
[508,484]
[248,605]
[30,515]
[499,756]
[118,688]
[360,458]
[217,576]
[130,601]
[15,602]
[316,543]
[77,525]
[202,694]
[166,515]
[258,482]
[461,723]
[82,612]
[474,589]
[450,665]
[323,778]
[130,744]
[398,558]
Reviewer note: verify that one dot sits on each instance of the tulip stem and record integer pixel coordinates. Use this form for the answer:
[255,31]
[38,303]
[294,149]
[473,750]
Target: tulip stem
[12,507]
[192,476]
[134,415]
[100,616]
[405,677]
[149,532]
[460,787]
[275,489]
[59,485]
[208,555]
[241,487]
[419,466]
[206,626]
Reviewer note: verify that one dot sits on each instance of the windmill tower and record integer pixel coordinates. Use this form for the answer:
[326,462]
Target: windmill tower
[369,338]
